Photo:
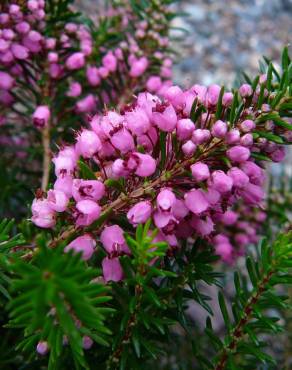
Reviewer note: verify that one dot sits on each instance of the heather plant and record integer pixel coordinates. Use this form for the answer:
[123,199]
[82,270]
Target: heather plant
[153,193]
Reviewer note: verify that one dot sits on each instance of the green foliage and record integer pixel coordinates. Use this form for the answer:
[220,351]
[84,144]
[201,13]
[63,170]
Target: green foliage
[7,243]
[55,297]
[253,307]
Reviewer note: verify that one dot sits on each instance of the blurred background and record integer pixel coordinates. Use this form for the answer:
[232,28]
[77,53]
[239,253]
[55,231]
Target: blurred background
[223,37]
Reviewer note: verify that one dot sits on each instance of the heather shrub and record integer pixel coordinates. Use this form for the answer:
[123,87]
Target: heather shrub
[143,198]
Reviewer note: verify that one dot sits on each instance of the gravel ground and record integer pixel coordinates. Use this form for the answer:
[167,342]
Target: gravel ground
[225,37]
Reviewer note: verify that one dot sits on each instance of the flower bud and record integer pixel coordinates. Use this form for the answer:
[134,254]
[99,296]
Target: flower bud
[202,227]
[189,148]
[221,182]
[6,81]
[245,90]
[87,104]
[278,155]
[224,250]
[247,125]
[200,171]
[196,201]
[139,213]
[87,342]
[219,129]
[75,61]
[179,210]
[57,200]
[238,154]
[201,136]
[19,51]
[88,143]
[41,116]
[253,194]
[137,121]
[87,212]
[229,218]
[112,238]
[112,269]
[92,76]
[165,121]
[87,189]
[185,128]
[227,99]
[138,67]
[246,140]
[84,244]
[240,179]
[42,348]
[254,172]
[42,214]
[232,136]
[110,62]
[212,95]
[153,84]
[165,200]
[175,96]
[74,90]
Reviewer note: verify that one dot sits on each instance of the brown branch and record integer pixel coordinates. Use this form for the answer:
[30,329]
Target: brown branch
[238,333]
[46,156]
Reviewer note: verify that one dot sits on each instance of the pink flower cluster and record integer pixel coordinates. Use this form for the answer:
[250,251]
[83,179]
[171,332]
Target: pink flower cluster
[27,54]
[186,175]
[238,229]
